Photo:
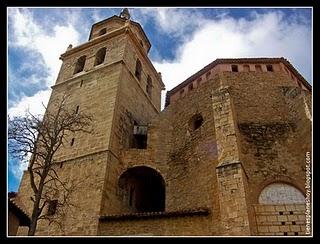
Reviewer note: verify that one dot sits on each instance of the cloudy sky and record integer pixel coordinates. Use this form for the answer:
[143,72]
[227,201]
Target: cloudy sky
[183,41]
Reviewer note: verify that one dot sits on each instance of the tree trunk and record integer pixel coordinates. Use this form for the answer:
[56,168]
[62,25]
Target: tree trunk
[34,219]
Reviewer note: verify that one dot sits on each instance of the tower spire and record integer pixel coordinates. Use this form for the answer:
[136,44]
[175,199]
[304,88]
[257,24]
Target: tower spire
[125,14]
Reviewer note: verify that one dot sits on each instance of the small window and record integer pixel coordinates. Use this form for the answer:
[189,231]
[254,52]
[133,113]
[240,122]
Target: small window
[269,68]
[246,68]
[285,233]
[72,142]
[283,223]
[291,212]
[195,122]
[149,86]
[140,137]
[181,92]
[77,109]
[258,68]
[199,81]
[138,69]
[281,213]
[190,87]
[296,233]
[52,207]
[102,31]
[293,223]
[141,43]
[79,64]
[234,68]
[100,56]
[81,83]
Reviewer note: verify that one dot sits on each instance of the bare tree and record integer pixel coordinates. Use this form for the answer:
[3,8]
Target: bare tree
[39,138]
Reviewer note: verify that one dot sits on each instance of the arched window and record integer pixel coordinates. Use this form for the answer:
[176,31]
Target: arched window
[195,122]
[138,69]
[80,64]
[102,31]
[258,68]
[100,56]
[142,190]
[281,193]
[149,86]
[246,68]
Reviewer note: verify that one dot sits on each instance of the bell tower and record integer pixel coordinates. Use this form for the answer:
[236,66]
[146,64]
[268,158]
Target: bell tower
[110,77]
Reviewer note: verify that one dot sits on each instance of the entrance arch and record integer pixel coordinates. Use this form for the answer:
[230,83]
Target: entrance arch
[143,190]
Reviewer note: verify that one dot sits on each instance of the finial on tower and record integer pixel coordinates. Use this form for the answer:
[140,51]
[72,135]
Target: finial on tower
[69,47]
[125,14]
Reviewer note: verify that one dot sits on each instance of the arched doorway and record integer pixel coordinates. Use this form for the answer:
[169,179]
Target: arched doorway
[142,189]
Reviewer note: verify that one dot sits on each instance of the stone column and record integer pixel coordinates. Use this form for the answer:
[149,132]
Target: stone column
[232,179]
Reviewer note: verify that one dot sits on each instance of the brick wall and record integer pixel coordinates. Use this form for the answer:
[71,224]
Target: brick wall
[281,219]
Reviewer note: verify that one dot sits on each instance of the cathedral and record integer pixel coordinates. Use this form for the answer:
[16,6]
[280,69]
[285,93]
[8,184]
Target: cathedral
[225,157]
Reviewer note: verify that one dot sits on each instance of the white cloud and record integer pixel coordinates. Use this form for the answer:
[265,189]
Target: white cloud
[203,39]
[34,104]
[28,35]
[264,35]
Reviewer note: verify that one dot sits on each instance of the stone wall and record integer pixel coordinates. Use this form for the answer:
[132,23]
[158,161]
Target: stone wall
[85,177]
[155,226]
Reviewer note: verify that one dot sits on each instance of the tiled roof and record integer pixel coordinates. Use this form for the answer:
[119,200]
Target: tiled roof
[235,60]
[15,205]
[144,215]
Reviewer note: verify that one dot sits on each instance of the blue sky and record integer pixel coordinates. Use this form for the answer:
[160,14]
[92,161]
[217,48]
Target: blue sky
[183,41]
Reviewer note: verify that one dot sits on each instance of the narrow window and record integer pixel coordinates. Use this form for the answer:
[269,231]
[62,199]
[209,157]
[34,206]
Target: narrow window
[77,109]
[269,68]
[149,86]
[52,207]
[138,69]
[285,233]
[141,43]
[190,87]
[258,68]
[81,83]
[281,213]
[61,164]
[100,56]
[72,142]
[234,68]
[79,64]
[283,223]
[293,222]
[102,31]
[246,68]
[295,233]
[291,212]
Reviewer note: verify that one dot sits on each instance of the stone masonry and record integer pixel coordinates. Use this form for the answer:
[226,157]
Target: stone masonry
[196,168]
